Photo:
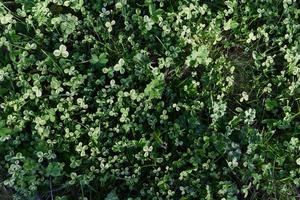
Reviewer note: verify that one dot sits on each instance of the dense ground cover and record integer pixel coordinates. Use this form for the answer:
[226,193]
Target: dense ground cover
[153,99]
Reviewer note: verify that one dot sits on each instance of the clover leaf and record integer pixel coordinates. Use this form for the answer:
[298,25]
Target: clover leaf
[101,59]
[62,51]
[54,169]
[3,130]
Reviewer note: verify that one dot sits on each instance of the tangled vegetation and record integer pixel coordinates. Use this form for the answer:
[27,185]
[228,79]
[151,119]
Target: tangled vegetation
[149,99]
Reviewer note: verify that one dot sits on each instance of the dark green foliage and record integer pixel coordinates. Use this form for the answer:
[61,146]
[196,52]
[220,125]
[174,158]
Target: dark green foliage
[153,99]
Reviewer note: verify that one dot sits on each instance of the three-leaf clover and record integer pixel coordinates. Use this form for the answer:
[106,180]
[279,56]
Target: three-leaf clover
[155,88]
[6,19]
[112,196]
[102,59]
[3,130]
[270,104]
[62,51]
[54,169]
[230,24]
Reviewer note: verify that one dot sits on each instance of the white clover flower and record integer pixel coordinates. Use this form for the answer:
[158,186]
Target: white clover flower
[62,51]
